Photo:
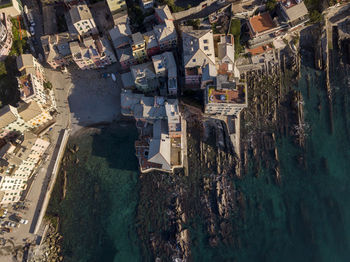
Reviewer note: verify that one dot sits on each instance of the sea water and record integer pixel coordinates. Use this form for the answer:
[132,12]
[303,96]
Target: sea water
[98,213]
[305,218]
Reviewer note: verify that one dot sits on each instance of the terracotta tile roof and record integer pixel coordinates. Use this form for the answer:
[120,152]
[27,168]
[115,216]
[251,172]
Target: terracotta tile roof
[261,22]
[259,50]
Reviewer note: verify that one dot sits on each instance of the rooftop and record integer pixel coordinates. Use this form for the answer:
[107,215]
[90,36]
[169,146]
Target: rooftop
[79,13]
[261,23]
[137,38]
[198,46]
[7,116]
[295,11]
[26,86]
[29,111]
[164,12]
[225,95]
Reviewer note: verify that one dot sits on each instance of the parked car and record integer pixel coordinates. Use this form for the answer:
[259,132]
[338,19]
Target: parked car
[6,229]
[10,224]
[23,221]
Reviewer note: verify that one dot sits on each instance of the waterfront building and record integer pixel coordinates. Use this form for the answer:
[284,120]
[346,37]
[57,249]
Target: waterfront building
[18,163]
[138,47]
[225,97]
[159,122]
[264,30]
[163,13]
[198,52]
[294,12]
[56,49]
[5,36]
[11,8]
[82,20]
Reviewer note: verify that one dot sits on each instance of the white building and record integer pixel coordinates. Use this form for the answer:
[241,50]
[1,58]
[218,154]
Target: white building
[18,162]
[82,20]
[26,117]
[31,82]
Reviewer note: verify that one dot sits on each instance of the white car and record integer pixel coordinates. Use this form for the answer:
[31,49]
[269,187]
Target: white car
[32,31]
[23,221]
[11,224]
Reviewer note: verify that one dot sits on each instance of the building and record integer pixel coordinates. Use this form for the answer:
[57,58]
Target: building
[226,50]
[152,46]
[120,36]
[82,20]
[116,6]
[166,35]
[19,161]
[11,8]
[24,118]
[32,89]
[125,57]
[159,122]
[10,122]
[174,118]
[163,13]
[160,146]
[138,47]
[263,29]
[31,83]
[198,52]
[146,4]
[144,77]
[33,114]
[165,68]
[225,97]
[92,53]
[27,64]
[56,49]
[5,36]
[294,12]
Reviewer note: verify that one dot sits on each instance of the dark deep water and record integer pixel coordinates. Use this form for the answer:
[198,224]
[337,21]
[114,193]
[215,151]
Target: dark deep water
[306,218]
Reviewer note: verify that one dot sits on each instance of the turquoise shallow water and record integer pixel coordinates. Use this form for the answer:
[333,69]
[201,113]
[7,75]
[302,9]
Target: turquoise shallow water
[99,209]
[305,218]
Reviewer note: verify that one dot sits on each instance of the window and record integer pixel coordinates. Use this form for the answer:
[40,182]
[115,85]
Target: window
[206,48]
[205,41]
[194,60]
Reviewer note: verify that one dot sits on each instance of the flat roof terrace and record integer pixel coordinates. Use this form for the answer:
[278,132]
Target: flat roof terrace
[231,96]
[26,87]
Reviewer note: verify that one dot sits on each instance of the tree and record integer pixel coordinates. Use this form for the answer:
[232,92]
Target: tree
[271,5]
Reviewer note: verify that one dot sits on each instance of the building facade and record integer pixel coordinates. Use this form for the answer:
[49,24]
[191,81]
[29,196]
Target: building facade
[5,36]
